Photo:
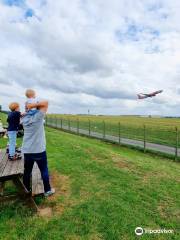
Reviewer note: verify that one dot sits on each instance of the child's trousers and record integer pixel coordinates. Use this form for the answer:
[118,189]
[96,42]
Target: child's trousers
[12,142]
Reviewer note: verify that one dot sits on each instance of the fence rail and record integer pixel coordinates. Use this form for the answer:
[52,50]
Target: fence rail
[159,139]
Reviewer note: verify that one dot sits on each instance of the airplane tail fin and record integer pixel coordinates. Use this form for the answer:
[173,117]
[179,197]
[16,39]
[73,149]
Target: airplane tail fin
[140,96]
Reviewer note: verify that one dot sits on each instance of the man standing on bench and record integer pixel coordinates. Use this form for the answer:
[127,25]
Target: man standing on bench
[34,146]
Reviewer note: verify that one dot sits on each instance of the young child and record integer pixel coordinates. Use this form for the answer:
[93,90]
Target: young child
[13,125]
[31,98]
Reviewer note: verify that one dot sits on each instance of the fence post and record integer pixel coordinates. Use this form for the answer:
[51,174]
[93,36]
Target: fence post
[89,127]
[61,123]
[78,126]
[144,138]
[119,130]
[56,122]
[177,143]
[104,130]
[69,126]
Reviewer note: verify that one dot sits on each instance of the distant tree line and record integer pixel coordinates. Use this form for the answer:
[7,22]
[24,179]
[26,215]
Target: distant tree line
[3,111]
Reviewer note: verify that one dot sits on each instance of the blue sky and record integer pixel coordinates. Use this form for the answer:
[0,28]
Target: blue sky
[14,2]
[93,55]
[28,12]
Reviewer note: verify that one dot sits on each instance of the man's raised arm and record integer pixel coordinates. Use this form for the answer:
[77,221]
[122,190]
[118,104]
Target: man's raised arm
[42,106]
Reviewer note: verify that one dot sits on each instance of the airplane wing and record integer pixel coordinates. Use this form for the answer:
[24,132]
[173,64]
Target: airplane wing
[144,94]
[157,92]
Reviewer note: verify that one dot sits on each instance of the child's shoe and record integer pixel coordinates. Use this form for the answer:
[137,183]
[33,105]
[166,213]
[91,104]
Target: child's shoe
[15,157]
[11,158]
[18,150]
[18,156]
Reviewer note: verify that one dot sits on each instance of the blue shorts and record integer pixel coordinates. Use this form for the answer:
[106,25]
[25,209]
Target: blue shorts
[32,112]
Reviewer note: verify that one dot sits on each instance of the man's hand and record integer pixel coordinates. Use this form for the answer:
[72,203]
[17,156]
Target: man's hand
[29,106]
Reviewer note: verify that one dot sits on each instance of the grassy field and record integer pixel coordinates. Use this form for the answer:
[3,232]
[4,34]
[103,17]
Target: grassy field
[126,120]
[102,192]
[157,130]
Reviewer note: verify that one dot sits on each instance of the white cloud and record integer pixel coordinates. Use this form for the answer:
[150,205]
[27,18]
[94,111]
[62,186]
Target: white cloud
[94,55]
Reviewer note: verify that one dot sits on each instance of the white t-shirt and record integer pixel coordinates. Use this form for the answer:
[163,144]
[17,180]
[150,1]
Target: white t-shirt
[32,100]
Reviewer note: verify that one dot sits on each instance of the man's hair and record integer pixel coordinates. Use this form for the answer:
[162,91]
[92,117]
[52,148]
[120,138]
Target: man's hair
[13,106]
[29,93]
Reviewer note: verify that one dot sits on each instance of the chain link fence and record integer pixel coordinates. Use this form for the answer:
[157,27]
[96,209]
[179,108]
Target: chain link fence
[159,139]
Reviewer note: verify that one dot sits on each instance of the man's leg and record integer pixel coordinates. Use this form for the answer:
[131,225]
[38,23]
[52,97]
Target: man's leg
[42,164]
[28,166]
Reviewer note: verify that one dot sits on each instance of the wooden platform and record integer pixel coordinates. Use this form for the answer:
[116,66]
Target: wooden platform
[10,169]
[13,171]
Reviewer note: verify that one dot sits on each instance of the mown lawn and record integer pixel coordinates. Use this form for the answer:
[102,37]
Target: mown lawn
[103,192]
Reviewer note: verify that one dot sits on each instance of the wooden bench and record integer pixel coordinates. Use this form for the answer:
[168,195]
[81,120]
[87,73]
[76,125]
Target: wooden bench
[13,171]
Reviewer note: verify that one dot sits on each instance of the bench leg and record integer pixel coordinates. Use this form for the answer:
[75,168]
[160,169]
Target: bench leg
[5,198]
[25,196]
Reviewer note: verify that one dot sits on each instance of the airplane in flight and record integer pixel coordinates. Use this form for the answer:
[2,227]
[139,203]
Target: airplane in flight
[148,95]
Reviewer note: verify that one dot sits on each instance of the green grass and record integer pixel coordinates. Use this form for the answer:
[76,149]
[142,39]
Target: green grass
[103,192]
[3,118]
[158,130]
